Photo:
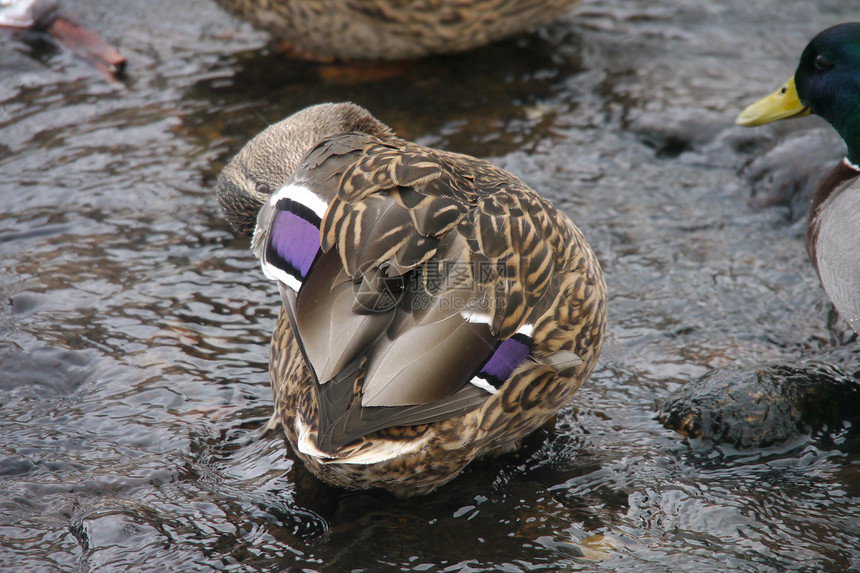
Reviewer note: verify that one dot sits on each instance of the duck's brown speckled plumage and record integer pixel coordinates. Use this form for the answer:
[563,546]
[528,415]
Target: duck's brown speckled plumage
[459,209]
[394,29]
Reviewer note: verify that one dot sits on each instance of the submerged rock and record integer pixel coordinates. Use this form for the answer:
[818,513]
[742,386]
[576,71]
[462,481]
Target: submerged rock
[680,131]
[762,406]
[788,172]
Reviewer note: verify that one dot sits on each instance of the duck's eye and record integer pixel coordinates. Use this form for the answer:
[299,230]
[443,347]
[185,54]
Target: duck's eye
[822,63]
[262,188]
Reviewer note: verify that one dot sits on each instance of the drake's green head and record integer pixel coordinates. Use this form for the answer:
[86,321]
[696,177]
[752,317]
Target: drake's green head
[826,83]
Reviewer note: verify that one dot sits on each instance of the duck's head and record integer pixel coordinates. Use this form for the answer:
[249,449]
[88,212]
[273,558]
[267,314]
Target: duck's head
[270,158]
[826,83]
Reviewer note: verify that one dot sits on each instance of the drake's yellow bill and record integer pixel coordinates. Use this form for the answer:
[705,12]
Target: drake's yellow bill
[781,104]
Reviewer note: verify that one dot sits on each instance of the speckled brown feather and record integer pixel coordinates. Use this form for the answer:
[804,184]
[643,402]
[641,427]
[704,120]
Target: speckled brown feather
[401,207]
[394,29]
[549,276]
[501,221]
[574,320]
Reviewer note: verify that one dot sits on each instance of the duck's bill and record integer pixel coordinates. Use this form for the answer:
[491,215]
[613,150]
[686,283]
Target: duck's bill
[781,104]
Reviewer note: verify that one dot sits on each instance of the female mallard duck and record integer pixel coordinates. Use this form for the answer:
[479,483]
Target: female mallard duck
[393,29]
[827,84]
[435,308]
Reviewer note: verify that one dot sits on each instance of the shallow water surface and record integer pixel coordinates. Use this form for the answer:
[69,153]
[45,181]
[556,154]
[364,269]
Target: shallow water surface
[134,324]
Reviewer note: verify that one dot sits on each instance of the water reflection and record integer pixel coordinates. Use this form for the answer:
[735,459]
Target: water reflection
[133,324]
[493,99]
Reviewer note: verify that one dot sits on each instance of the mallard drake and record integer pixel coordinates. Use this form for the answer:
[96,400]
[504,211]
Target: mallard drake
[435,308]
[827,84]
[393,29]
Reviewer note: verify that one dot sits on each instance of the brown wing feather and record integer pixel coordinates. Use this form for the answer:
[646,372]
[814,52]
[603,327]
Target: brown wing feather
[463,233]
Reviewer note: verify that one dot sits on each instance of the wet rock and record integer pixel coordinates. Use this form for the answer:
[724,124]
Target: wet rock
[44,369]
[672,134]
[762,406]
[788,172]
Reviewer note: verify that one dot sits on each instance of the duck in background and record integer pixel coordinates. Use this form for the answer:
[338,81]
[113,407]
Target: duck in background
[435,308]
[393,29]
[48,21]
[827,84]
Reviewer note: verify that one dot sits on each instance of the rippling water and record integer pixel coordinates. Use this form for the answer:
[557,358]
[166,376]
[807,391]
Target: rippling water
[134,324]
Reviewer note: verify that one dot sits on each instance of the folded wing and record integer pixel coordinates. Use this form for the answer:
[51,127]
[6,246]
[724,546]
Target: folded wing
[412,281]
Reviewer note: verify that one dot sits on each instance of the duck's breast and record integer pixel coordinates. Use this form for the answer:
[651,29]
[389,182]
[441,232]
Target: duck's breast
[837,251]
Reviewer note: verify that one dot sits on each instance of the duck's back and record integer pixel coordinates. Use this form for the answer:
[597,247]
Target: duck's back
[394,29]
[418,281]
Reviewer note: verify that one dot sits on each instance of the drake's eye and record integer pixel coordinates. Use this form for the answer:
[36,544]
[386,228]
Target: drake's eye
[822,63]
[262,188]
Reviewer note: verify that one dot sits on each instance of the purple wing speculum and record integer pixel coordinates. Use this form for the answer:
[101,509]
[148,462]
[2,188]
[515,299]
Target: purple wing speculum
[293,238]
[497,369]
